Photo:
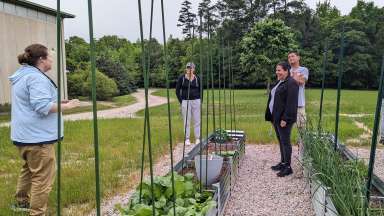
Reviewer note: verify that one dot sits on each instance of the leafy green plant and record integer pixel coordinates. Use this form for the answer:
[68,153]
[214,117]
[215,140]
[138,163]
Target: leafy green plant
[189,201]
[221,136]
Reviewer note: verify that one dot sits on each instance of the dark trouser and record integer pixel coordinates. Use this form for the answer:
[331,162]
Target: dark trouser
[284,137]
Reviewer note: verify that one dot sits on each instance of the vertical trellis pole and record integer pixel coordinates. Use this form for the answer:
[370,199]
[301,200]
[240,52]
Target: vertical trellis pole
[374,140]
[224,90]
[168,107]
[143,68]
[230,85]
[207,112]
[323,69]
[212,76]
[201,101]
[94,107]
[340,75]
[220,69]
[146,84]
[58,34]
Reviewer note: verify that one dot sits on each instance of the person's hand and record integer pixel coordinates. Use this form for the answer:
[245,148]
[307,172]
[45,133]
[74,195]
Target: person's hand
[283,123]
[298,77]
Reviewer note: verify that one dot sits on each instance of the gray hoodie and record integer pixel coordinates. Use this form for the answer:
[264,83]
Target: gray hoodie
[33,95]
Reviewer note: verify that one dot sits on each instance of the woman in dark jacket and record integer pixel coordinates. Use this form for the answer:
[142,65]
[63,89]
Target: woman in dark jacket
[282,112]
[188,93]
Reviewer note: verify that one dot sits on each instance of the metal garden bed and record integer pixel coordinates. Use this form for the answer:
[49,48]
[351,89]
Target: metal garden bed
[231,164]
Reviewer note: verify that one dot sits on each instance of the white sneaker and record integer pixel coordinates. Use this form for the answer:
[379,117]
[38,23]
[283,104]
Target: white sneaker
[197,141]
[187,142]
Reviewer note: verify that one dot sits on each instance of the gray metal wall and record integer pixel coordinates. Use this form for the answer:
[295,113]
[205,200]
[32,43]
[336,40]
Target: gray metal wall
[20,27]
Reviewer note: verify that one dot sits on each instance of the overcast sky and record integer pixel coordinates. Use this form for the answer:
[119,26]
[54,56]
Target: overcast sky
[120,17]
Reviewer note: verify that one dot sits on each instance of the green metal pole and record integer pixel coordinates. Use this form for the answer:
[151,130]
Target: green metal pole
[185,126]
[230,86]
[168,106]
[201,101]
[58,32]
[145,117]
[94,107]
[146,69]
[340,74]
[212,80]
[219,75]
[146,84]
[207,120]
[374,140]
[233,96]
[322,85]
[224,91]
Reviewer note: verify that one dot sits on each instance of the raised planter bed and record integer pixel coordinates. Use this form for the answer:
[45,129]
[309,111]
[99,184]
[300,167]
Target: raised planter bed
[320,197]
[232,153]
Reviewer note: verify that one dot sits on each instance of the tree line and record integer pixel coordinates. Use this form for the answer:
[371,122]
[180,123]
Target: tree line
[246,36]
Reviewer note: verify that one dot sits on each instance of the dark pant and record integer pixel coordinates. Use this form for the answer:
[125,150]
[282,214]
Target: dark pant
[284,136]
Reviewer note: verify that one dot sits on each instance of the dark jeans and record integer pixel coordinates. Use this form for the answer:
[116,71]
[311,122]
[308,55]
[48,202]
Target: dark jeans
[284,137]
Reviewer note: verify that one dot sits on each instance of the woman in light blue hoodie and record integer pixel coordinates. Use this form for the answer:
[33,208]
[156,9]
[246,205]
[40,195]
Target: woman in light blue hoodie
[34,127]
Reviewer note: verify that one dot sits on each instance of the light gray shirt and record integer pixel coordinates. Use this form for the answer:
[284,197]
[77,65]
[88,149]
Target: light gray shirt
[273,91]
[305,72]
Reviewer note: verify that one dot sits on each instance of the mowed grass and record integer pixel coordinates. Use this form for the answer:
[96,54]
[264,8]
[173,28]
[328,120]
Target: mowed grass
[121,142]
[250,106]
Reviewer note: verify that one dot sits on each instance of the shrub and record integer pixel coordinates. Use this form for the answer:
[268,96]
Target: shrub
[80,84]
[106,88]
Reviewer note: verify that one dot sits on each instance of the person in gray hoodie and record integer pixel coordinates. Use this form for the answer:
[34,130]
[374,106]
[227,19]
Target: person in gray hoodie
[34,127]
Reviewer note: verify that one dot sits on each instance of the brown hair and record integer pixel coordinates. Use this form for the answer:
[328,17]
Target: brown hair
[32,54]
[295,52]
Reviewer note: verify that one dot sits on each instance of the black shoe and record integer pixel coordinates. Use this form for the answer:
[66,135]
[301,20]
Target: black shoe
[278,167]
[285,172]
[381,140]
[20,207]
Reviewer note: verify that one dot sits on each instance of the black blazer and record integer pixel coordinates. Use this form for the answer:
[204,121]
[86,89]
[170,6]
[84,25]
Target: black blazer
[285,103]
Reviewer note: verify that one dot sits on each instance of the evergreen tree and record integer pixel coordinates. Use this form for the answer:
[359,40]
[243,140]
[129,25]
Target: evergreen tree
[187,19]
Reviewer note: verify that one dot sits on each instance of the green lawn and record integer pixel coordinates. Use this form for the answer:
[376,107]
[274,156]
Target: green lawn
[121,140]
[5,118]
[251,105]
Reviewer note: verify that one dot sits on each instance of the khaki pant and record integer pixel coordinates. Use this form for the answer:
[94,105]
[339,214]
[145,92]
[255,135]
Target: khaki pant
[37,177]
[301,123]
[301,118]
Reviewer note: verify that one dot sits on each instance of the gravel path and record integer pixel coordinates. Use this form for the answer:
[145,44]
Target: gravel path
[260,192]
[364,152]
[122,112]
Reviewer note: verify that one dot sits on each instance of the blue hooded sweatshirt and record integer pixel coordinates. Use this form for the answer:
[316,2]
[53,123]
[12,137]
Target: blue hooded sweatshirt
[33,95]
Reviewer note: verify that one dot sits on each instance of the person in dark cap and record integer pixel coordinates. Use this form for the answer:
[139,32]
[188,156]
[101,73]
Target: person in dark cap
[188,94]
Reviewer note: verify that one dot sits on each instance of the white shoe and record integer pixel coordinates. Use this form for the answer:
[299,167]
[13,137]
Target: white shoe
[197,141]
[187,142]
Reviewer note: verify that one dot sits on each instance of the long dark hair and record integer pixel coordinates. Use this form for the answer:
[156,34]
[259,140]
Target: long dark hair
[32,54]
[285,67]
